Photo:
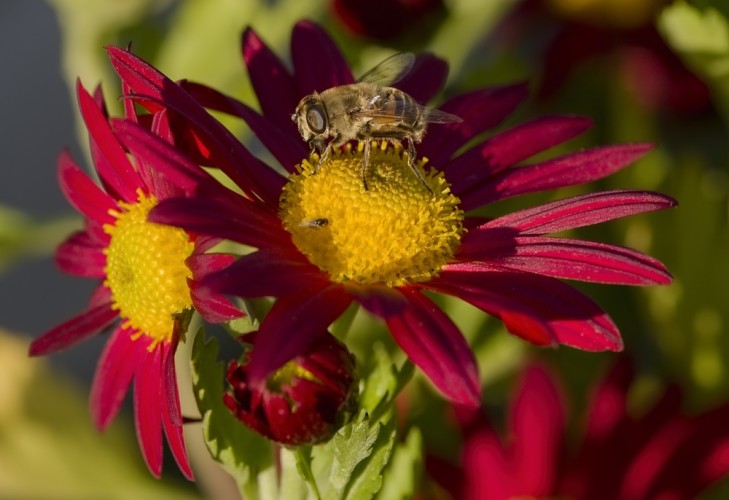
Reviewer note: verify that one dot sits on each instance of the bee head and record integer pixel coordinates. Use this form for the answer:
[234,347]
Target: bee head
[311,118]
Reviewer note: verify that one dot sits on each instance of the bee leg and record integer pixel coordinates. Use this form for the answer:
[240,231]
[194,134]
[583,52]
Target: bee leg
[365,162]
[324,156]
[411,164]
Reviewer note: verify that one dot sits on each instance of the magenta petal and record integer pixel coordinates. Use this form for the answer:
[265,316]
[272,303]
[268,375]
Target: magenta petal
[168,163]
[148,401]
[245,223]
[100,295]
[111,161]
[77,329]
[480,111]
[213,306]
[285,144]
[271,81]
[83,193]
[268,272]
[565,258]
[250,174]
[326,69]
[537,421]
[171,412]
[81,255]
[425,79]
[291,325]
[583,210]
[380,300]
[510,147]
[539,309]
[434,343]
[118,362]
[569,170]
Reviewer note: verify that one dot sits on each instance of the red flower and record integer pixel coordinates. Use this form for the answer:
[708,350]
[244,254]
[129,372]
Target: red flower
[384,250]
[146,287]
[386,19]
[620,37]
[663,453]
[304,402]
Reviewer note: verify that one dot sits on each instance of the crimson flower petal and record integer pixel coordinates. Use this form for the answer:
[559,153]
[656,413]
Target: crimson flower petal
[148,406]
[537,420]
[211,305]
[270,79]
[111,161]
[268,272]
[83,193]
[285,144]
[171,412]
[248,172]
[77,329]
[569,170]
[169,164]
[80,255]
[539,309]
[511,147]
[114,372]
[565,258]
[480,110]
[583,210]
[291,325]
[328,69]
[245,223]
[436,345]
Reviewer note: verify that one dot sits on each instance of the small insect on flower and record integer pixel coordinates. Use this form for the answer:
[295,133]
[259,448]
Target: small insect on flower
[368,109]
[314,223]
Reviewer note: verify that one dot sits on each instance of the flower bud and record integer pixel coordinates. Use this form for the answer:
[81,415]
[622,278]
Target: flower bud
[305,401]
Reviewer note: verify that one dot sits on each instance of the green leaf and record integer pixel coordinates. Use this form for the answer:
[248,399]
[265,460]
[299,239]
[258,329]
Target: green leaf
[243,453]
[406,468]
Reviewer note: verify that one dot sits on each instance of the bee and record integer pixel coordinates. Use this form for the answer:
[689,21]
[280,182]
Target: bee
[368,109]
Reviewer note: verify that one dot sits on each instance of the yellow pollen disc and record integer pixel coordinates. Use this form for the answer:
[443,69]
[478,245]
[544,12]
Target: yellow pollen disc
[146,271]
[394,232]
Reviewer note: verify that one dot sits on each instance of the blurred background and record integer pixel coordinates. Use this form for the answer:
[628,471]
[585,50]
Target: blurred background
[644,70]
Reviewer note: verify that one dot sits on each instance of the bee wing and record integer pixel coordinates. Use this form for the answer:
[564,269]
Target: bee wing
[406,110]
[433,115]
[389,71]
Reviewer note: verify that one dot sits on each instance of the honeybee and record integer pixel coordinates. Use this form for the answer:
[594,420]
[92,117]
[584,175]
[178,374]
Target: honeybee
[368,109]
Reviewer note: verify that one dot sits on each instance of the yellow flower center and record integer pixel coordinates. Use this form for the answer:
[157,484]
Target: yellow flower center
[146,271]
[395,231]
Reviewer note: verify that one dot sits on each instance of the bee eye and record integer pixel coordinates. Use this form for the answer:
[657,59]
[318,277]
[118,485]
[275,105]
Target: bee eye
[315,120]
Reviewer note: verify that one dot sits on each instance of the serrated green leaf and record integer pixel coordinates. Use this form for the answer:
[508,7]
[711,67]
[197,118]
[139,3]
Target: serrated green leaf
[244,454]
[406,468]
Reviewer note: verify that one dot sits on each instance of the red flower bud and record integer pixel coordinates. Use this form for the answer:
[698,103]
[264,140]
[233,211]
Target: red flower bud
[305,401]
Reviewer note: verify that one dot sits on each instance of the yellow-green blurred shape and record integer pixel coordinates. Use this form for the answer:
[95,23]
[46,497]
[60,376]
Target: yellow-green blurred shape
[701,38]
[50,449]
[22,236]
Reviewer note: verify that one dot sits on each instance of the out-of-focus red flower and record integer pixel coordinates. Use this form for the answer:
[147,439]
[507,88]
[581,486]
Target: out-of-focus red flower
[621,37]
[305,401]
[386,19]
[662,453]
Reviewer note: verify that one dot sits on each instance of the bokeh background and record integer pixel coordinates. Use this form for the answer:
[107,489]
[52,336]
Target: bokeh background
[643,70]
